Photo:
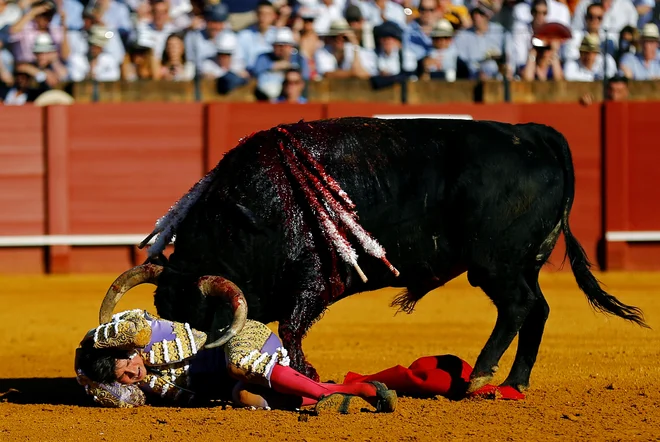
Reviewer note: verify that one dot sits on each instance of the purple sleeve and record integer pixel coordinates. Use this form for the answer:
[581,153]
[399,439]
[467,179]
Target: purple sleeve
[160,330]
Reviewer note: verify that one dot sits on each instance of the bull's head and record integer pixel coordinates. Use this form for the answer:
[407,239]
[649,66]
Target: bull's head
[208,285]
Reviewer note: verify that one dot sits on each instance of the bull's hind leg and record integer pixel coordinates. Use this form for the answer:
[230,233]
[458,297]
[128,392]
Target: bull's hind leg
[513,300]
[529,338]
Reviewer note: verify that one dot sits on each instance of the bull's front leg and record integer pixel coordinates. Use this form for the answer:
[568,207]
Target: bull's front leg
[293,329]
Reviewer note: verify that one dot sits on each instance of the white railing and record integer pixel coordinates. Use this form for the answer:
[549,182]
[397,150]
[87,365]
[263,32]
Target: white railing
[638,236]
[72,240]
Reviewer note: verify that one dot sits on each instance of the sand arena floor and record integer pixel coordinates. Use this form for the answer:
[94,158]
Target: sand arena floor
[597,378]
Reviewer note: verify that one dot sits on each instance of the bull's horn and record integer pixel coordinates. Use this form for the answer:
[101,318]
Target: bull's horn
[228,291]
[145,273]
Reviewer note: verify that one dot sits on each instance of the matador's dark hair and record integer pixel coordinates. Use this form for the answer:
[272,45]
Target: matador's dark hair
[98,364]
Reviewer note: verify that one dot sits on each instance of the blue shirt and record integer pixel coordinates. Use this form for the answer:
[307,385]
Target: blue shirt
[640,71]
[416,40]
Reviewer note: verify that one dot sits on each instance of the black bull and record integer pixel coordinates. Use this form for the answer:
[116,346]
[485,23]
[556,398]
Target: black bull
[441,196]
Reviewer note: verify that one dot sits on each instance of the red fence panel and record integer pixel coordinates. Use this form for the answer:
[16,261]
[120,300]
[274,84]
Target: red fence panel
[22,189]
[126,165]
[229,122]
[632,185]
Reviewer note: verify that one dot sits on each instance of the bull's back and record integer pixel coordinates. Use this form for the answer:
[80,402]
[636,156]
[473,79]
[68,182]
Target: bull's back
[387,167]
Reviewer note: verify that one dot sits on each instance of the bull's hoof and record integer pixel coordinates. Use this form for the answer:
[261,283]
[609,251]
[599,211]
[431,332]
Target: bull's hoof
[478,382]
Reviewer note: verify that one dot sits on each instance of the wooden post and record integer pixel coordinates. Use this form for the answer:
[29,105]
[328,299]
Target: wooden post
[57,191]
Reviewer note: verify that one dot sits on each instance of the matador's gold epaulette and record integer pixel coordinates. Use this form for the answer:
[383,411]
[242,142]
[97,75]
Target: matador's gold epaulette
[127,329]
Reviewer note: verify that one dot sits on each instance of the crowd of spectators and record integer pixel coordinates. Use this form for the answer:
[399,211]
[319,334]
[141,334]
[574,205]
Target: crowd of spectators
[282,45]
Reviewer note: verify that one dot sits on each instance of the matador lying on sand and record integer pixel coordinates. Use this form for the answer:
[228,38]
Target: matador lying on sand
[137,356]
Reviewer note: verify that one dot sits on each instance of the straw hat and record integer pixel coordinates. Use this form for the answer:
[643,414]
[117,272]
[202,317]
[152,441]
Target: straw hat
[650,32]
[338,27]
[590,43]
[226,43]
[43,43]
[99,36]
[442,28]
[53,96]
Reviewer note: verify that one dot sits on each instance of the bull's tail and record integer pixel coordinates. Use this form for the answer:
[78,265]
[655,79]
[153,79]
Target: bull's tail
[587,282]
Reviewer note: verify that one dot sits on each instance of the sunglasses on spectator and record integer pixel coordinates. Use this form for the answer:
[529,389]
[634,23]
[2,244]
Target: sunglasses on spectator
[426,9]
[297,81]
[536,11]
[594,17]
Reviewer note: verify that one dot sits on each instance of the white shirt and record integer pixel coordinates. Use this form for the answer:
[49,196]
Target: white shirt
[210,66]
[557,13]
[105,69]
[325,15]
[574,70]
[390,65]
[372,13]
[10,15]
[522,42]
[15,99]
[327,62]
[621,14]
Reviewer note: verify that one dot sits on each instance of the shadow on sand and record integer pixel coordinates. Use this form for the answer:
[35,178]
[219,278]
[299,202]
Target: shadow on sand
[52,391]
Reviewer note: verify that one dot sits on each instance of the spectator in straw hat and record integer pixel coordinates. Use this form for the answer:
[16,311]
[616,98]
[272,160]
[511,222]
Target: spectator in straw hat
[35,21]
[644,65]
[342,56]
[229,71]
[440,62]
[269,68]
[48,60]
[78,39]
[96,64]
[593,19]
[591,65]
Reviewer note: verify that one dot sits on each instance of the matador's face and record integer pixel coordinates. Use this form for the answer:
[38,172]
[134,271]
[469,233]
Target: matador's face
[130,370]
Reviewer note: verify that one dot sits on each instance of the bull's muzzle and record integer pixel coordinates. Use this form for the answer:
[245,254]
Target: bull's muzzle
[208,285]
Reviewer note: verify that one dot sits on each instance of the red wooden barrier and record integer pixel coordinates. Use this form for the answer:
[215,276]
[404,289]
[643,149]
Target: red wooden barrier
[632,191]
[229,122]
[122,166]
[22,190]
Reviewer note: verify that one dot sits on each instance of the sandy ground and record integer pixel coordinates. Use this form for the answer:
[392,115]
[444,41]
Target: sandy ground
[597,378]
